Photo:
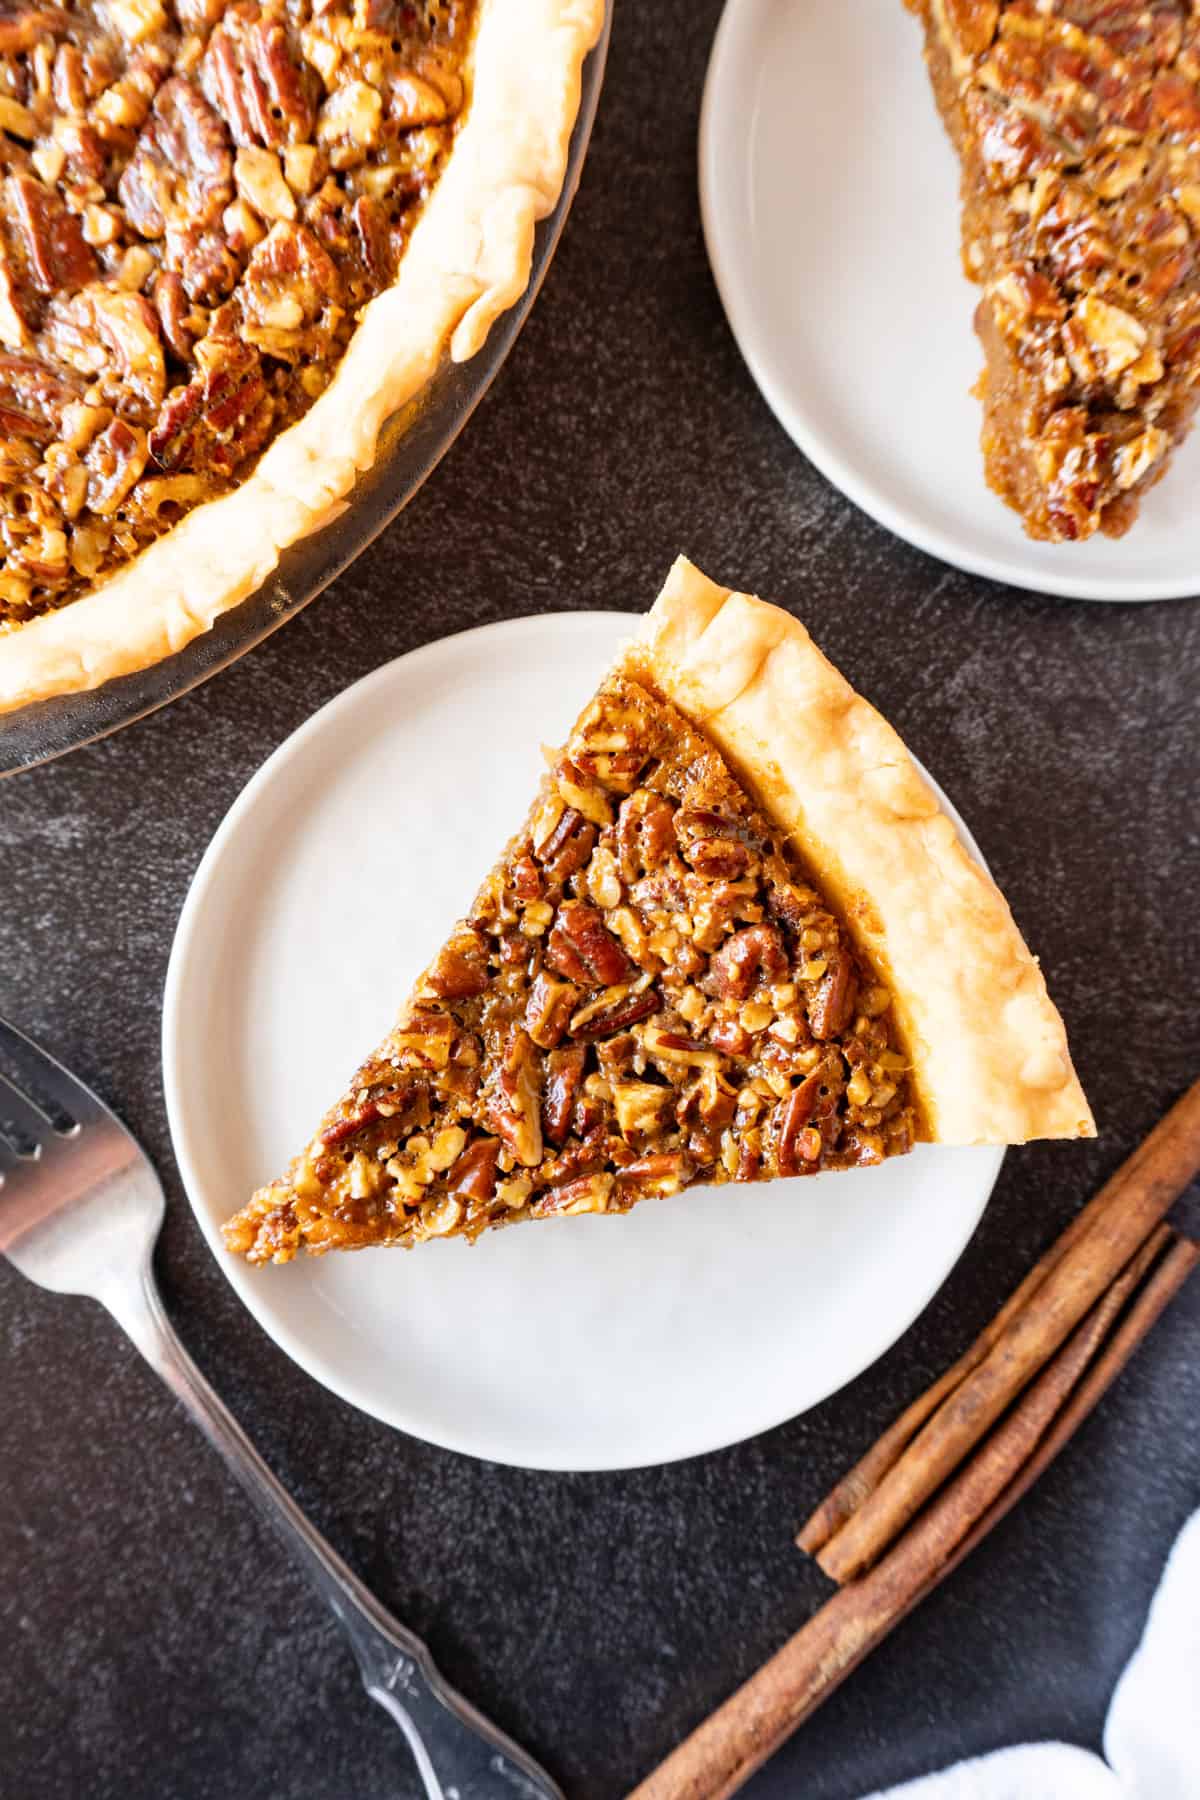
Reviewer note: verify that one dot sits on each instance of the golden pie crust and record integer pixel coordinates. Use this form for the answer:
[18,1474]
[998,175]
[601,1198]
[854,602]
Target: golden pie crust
[988,1047]
[468,261]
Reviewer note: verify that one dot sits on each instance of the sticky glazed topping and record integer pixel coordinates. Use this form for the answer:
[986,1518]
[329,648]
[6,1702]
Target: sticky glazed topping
[198,199]
[649,992]
[1079,126]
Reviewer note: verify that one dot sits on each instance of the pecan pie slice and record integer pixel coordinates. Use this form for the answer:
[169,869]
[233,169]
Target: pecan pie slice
[235,236]
[735,939]
[1078,126]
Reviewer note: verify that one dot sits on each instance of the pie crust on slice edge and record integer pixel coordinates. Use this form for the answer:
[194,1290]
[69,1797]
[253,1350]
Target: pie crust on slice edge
[735,938]
[467,262]
[1077,123]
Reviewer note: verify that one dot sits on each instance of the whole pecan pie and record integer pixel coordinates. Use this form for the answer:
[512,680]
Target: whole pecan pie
[1078,126]
[235,236]
[736,938]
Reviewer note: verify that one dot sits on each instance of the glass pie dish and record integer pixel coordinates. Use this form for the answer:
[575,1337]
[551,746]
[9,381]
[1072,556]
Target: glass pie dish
[411,445]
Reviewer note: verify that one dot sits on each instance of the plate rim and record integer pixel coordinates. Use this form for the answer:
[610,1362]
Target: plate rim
[314,1364]
[729,60]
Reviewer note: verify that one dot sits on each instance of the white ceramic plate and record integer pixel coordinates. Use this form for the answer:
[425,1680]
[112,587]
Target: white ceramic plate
[583,1343]
[830,199]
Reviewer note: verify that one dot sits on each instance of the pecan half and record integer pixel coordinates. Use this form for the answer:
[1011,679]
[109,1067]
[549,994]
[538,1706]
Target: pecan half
[111,335]
[114,461]
[56,256]
[798,1145]
[460,969]
[256,79]
[581,947]
[549,1010]
[568,846]
[830,1008]
[181,172]
[473,1176]
[618,1018]
[514,1106]
[219,418]
[289,295]
[564,1074]
[752,955]
[32,398]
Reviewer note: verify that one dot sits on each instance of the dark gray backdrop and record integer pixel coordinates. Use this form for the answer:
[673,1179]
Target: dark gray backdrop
[153,1643]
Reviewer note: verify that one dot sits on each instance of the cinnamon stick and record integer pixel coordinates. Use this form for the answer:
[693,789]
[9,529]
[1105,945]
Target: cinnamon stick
[739,1737]
[1134,1202]
[1157,1294]
[870,1470]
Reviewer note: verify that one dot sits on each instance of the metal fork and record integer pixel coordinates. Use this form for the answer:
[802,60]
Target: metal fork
[80,1211]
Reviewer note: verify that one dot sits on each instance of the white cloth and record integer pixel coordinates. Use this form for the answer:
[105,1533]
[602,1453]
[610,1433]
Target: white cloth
[1151,1737]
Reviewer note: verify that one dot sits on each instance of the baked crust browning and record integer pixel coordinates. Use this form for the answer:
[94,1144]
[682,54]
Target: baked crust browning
[1078,126]
[990,1063]
[735,939]
[269,323]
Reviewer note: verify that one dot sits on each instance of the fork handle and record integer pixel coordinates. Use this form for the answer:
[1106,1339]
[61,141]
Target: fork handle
[456,1750]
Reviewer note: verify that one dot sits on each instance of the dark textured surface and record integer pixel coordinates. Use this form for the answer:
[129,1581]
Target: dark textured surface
[152,1641]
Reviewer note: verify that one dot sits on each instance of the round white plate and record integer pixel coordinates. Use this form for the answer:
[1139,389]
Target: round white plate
[582,1343]
[830,199]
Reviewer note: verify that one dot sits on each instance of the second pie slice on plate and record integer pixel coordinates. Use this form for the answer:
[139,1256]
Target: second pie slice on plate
[1078,126]
[736,938]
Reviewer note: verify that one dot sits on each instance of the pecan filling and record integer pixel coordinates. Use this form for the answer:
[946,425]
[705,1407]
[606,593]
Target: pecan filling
[199,198]
[1078,123]
[649,992]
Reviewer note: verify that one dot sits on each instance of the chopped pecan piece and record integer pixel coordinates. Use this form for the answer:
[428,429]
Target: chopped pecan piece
[645,833]
[588,1193]
[376,248]
[203,261]
[20,30]
[663,1173]
[426,1038]
[642,1108]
